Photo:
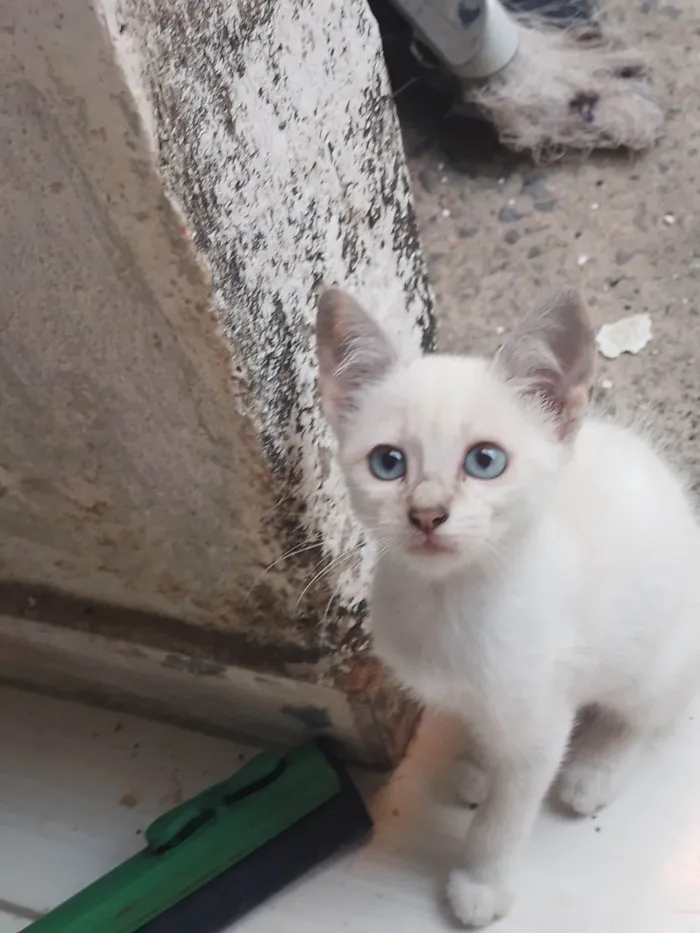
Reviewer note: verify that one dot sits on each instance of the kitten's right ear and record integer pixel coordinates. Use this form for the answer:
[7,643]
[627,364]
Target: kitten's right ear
[551,355]
[353,353]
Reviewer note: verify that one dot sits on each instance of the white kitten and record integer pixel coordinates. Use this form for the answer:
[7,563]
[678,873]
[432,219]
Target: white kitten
[532,578]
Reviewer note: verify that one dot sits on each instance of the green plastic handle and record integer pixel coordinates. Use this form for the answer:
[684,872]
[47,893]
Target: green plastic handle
[177,824]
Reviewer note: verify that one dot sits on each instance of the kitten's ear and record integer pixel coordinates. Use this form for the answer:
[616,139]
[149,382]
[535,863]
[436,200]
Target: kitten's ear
[552,354]
[353,353]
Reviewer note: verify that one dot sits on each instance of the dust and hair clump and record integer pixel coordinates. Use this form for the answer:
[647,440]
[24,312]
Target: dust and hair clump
[568,88]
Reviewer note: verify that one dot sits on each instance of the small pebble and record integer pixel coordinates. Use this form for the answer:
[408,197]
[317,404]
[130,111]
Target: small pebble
[595,206]
[441,166]
[500,330]
[686,301]
[501,181]
[508,215]
[511,202]
[428,180]
[446,212]
[444,179]
[606,384]
[669,219]
[582,260]
[535,186]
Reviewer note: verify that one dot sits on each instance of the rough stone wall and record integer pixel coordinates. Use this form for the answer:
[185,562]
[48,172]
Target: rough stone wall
[160,442]
[276,134]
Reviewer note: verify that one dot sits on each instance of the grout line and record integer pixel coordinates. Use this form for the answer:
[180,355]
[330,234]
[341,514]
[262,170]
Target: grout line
[23,913]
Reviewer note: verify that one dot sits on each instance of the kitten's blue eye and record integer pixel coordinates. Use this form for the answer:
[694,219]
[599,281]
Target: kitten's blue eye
[387,463]
[485,461]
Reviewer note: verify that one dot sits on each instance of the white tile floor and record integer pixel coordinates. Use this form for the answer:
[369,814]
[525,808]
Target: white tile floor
[77,785]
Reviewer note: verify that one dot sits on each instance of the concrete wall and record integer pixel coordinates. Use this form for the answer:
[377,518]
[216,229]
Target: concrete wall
[167,221]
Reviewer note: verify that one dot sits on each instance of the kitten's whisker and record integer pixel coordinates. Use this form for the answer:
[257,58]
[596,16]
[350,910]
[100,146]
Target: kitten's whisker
[381,547]
[292,552]
[329,604]
[325,570]
[495,554]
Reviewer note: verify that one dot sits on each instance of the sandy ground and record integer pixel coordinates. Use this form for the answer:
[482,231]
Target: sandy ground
[499,232]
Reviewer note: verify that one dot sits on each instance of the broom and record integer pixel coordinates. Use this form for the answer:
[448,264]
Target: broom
[217,856]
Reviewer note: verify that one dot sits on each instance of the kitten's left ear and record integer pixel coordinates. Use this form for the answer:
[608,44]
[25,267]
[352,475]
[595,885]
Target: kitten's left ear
[353,353]
[552,354]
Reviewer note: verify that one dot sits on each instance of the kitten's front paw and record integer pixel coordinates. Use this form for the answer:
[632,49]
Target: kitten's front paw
[586,788]
[477,903]
[472,783]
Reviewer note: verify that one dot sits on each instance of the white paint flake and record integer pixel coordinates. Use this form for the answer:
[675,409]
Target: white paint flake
[628,335]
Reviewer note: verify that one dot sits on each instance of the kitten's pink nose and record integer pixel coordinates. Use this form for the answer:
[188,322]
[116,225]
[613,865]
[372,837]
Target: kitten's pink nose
[427,519]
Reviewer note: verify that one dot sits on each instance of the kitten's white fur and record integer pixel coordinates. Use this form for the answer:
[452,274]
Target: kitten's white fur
[569,600]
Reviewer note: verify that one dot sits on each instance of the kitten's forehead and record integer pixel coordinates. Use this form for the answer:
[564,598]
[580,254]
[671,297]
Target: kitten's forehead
[441,395]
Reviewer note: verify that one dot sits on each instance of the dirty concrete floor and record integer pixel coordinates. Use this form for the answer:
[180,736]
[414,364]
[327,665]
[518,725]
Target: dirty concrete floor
[499,232]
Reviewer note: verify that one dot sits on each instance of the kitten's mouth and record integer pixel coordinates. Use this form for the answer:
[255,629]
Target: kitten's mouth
[429,546]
